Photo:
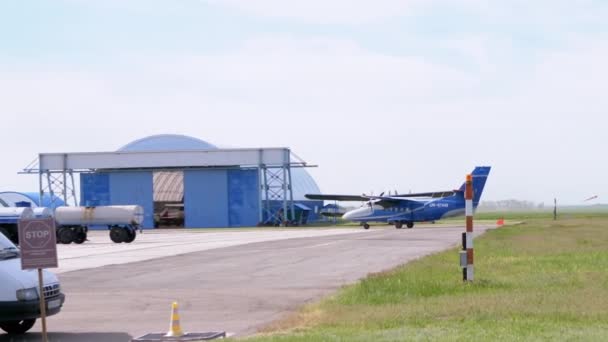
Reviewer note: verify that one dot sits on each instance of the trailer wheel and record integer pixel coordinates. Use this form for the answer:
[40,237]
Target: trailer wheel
[65,235]
[80,236]
[118,235]
[18,327]
[131,234]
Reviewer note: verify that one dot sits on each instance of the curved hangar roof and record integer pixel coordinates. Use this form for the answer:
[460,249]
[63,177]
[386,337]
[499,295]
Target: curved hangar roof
[11,198]
[167,142]
[169,185]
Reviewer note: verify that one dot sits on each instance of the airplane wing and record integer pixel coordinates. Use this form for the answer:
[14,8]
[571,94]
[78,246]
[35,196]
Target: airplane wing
[337,197]
[386,201]
[383,201]
[434,194]
[363,198]
[410,203]
[391,201]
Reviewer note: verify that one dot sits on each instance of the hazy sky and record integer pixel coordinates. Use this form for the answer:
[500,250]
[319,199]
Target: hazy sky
[384,94]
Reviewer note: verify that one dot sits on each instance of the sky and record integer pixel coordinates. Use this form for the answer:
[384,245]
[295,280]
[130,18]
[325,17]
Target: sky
[404,95]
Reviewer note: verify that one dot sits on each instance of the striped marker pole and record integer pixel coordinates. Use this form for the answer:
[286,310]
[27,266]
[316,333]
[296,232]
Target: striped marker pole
[467,272]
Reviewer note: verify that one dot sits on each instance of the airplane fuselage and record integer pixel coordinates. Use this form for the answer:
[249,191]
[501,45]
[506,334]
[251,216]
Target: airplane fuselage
[426,210]
[409,208]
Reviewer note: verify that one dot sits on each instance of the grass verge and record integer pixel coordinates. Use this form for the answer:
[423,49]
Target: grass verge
[541,280]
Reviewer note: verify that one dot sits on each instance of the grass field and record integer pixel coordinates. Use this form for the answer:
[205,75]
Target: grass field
[539,280]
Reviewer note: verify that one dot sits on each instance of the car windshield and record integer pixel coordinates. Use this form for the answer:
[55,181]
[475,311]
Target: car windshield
[6,244]
[7,248]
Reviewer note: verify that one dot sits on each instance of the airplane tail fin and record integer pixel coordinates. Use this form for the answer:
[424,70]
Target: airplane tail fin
[480,175]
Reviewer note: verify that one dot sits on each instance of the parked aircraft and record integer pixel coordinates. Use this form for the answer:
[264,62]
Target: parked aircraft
[410,208]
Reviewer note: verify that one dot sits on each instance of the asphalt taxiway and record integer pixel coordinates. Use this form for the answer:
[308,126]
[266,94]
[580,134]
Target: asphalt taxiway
[234,281]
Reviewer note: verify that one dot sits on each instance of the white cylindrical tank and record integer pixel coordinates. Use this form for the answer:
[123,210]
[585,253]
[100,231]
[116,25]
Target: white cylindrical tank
[103,215]
[12,214]
[42,212]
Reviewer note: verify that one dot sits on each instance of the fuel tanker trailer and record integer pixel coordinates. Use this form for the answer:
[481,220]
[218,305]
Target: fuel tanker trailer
[42,212]
[9,221]
[122,220]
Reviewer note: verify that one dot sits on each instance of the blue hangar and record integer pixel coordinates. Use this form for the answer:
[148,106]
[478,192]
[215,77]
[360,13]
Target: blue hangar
[185,181]
[30,199]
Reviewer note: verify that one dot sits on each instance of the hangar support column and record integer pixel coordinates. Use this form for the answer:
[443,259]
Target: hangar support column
[287,169]
[57,183]
[277,191]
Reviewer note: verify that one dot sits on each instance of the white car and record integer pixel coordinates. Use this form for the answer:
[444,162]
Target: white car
[19,300]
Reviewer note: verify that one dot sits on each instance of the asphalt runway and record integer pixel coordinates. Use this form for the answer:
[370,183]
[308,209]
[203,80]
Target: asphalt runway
[233,282]
[99,250]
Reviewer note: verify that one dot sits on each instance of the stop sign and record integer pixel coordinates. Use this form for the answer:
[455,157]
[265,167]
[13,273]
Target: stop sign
[37,236]
[38,243]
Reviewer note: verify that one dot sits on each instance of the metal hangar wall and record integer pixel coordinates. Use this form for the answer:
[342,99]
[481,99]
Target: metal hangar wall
[186,181]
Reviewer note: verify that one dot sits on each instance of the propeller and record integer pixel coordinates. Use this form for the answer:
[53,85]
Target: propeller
[370,202]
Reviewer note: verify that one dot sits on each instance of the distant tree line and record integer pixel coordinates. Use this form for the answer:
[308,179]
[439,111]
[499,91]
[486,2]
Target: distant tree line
[510,204]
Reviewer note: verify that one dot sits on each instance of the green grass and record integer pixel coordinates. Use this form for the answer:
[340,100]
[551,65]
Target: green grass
[563,213]
[540,280]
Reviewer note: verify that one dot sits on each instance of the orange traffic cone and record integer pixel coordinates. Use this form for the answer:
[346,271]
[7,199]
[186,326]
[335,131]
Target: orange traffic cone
[175,330]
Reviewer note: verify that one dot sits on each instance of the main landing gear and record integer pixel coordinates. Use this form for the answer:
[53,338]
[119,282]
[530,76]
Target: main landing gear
[399,224]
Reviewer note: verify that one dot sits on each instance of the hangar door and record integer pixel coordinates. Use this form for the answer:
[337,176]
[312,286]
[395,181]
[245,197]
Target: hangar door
[243,198]
[221,198]
[119,188]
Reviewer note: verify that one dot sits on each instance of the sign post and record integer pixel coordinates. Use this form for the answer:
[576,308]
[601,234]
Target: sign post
[42,305]
[38,251]
[555,209]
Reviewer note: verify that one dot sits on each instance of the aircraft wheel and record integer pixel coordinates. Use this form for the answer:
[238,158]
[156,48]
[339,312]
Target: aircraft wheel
[366,226]
[398,225]
[18,327]
[118,234]
[410,225]
[65,236]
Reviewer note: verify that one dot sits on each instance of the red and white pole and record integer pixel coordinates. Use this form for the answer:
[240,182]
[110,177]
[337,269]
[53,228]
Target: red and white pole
[467,272]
